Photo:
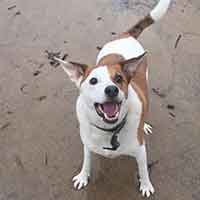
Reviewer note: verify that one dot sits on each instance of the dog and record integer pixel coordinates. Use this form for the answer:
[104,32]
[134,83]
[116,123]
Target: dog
[113,101]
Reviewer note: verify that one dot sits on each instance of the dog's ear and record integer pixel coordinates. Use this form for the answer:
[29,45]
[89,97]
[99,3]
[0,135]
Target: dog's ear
[130,67]
[75,71]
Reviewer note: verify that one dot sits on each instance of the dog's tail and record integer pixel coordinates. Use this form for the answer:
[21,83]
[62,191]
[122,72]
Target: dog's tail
[157,13]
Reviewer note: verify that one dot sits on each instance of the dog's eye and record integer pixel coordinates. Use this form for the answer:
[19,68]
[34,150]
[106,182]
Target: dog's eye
[93,81]
[118,78]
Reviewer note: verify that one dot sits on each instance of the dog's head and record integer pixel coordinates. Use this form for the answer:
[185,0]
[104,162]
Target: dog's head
[104,89]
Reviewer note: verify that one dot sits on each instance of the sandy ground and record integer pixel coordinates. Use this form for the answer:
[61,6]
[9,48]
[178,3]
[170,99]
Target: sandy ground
[40,148]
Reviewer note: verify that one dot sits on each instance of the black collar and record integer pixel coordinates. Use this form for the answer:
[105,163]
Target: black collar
[115,130]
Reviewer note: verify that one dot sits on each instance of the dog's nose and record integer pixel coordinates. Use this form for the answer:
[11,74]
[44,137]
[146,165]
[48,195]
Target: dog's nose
[111,91]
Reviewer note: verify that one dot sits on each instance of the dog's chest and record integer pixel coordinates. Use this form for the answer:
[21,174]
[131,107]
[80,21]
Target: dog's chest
[97,141]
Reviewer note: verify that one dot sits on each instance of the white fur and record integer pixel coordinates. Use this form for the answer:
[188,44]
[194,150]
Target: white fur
[145,184]
[160,9]
[81,180]
[94,139]
[127,47]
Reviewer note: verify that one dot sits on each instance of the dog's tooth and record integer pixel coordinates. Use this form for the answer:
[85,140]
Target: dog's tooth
[116,108]
[106,116]
[99,106]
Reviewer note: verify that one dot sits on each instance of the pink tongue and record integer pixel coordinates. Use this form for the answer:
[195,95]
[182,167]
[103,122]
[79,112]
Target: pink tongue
[109,108]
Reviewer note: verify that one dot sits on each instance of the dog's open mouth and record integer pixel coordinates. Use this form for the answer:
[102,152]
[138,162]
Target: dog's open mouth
[109,111]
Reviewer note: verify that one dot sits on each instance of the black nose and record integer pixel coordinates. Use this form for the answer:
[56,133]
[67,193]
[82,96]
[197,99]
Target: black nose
[111,91]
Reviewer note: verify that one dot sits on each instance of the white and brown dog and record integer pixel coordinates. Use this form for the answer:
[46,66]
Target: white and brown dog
[113,101]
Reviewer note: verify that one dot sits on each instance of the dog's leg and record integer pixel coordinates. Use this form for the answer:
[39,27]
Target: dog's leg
[145,184]
[81,180]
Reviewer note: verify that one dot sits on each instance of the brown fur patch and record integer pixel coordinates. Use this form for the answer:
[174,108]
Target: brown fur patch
[110,59]
[139,84]
[123,35]
[116,71]
[86,73]
[137,29]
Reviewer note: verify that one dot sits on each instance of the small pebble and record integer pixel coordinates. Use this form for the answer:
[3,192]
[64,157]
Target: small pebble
[170,107]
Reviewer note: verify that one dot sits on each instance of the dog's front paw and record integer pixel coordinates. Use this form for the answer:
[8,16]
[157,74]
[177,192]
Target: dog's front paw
[146,188]
[147,128]
[80,181]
